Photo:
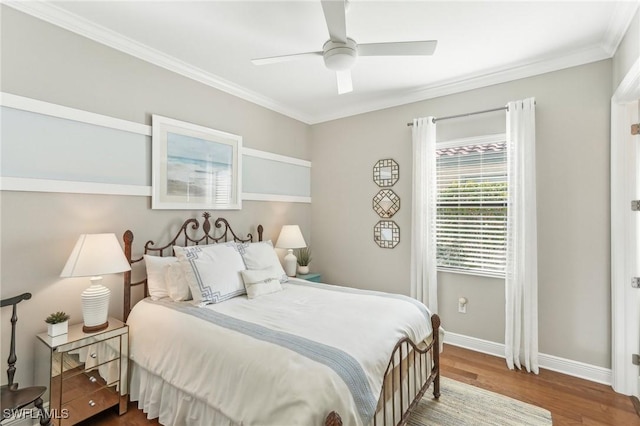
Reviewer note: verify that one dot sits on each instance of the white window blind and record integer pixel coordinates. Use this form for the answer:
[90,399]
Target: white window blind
[471,205]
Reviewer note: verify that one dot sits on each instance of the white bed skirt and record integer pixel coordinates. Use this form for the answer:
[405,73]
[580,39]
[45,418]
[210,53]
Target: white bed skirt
[174,407]
[170,405]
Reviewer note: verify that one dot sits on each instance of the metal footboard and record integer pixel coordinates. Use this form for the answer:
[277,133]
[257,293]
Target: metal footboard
[411,370]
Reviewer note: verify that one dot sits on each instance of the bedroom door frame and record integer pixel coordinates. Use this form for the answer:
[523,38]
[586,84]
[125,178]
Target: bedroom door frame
[625,300]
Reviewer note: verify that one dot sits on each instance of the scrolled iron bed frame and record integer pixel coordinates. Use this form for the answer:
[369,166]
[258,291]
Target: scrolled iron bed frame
[412,367]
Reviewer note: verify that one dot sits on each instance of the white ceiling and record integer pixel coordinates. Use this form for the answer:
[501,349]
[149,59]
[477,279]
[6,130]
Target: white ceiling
[479,43]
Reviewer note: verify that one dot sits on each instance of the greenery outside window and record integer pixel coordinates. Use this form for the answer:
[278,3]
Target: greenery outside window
[471,205]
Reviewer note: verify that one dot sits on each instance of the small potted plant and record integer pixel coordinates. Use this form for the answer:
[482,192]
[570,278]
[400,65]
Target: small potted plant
[58,323]
[304,259]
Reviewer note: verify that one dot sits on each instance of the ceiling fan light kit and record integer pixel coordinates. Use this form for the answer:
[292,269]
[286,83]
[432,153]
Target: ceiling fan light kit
[340,52]
[340,56]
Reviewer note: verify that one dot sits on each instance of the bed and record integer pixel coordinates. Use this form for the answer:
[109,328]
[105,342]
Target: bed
[306,353]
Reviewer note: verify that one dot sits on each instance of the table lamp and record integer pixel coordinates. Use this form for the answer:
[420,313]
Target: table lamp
[290,238]
[95,255]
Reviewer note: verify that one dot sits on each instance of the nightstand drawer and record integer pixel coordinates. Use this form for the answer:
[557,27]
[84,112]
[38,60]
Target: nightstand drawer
[93,354]
[87,382]
[88,405]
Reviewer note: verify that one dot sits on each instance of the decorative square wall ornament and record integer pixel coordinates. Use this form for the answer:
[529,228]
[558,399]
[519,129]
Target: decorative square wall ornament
[194,167]
[386,203]
[386,234]
[386,172]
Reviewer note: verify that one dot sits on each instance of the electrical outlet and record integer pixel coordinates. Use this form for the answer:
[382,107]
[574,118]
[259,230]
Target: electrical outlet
[462,305]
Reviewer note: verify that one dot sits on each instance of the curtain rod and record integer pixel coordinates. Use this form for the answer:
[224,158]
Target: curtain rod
[465,115]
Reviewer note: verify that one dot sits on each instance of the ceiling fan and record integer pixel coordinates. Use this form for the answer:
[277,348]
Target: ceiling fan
[340,52]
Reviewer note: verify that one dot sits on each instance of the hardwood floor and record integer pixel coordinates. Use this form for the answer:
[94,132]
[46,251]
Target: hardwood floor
[572,401]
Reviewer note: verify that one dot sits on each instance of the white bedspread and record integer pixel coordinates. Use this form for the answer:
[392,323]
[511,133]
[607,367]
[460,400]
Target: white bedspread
[287,358]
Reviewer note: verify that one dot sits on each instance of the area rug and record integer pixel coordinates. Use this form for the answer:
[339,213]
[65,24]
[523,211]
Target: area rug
[462,404]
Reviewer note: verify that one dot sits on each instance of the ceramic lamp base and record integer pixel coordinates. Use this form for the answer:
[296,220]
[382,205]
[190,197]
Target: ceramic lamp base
[290,263]
[95,306]
[94,328]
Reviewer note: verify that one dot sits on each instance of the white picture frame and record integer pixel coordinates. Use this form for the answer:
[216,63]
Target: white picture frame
[194,167]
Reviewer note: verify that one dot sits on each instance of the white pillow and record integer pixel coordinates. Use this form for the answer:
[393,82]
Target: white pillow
[177,285]
[260,256]
[156,271]
[213,272]
[259,282]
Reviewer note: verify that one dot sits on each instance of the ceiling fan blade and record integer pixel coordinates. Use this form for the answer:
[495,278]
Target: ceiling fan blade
[344,82]
[335,15]
[402,48]
[284,58]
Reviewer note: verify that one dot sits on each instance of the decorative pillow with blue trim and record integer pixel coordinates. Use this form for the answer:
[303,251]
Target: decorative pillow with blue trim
[212,272]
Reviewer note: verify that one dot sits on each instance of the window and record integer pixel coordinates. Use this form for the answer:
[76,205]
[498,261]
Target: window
[471,205]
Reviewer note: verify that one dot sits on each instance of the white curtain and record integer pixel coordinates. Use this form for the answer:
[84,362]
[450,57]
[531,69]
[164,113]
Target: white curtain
[424,284]
[521,278]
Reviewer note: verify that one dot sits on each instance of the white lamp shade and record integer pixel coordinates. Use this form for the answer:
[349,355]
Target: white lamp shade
[95,254]
[290,237]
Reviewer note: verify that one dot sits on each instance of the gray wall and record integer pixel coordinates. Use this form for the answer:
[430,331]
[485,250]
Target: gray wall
[628,51]
[572,128]
[38,230]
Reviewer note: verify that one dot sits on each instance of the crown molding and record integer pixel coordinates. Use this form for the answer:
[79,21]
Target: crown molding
[476,81]
[618,25]
[69,21]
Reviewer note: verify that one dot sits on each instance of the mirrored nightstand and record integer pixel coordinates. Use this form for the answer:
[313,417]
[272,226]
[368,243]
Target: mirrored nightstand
[85,373]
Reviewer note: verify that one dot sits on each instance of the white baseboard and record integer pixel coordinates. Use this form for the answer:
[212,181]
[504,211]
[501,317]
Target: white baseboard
[549,362]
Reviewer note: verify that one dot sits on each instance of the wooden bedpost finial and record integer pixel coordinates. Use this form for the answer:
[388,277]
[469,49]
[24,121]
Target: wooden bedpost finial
[127,237]
[333,419]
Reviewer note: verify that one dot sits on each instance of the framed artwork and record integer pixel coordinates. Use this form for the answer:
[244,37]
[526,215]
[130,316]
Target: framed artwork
[386,203]
[194,167]
[386,172]
[386,234]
